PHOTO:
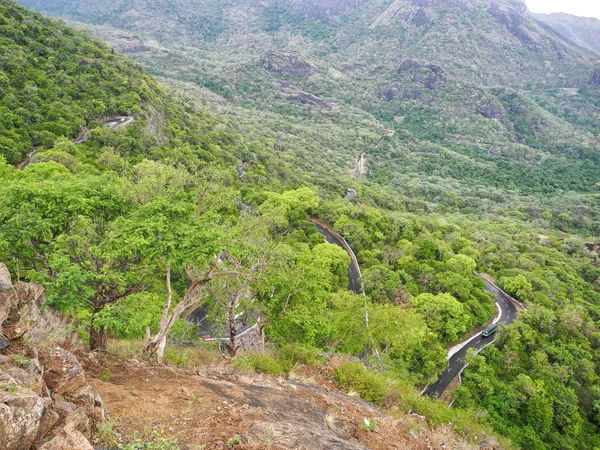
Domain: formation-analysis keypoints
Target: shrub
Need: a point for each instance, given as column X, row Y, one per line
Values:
column 259, row 362
column 292, row 354
column 354, row 376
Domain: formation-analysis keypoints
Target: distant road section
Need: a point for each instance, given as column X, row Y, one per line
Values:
column 113, row 123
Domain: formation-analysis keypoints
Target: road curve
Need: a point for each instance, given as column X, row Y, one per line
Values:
column 112, row 124
column 354, row 275
column 508, row 316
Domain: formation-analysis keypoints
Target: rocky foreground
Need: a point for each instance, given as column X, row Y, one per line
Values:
column 45, row 400
column 48, row 401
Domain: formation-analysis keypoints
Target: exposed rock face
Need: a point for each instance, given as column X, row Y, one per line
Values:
column 308, row 99
column 292, row 422
column 412, row 94
column 35, row 382
column 5, row 280
column 24, row 416
column 289, row 63
column 492, row 110
column 513, row 19
column 63, row 372
column 389, row 94
column 408, row 64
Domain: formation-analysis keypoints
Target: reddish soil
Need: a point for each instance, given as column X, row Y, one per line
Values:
column 205, row 410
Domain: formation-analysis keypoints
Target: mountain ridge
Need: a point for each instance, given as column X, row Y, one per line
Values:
column 583, row 31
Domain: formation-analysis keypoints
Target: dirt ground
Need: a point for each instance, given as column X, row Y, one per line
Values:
column 218, row 408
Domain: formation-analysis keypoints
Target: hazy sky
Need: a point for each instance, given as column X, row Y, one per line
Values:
column 586, row 8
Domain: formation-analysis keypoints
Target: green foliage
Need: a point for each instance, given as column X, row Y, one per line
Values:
column 352, row 375
column 259, row 362
column 96, row 223
column 233, row 441
column 36, row 106
column 291, row 355
column 518, row 287
column 444, row 314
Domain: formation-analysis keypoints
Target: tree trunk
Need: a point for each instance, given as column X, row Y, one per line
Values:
column 155, row 345
column 98, row 338
column 232, row 334
column 232, row 320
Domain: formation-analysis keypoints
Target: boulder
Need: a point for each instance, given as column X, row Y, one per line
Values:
column 412, row 94
column 29, row 375
column 72, row 416
column 68, row 439
column 408, row 64
column 62, row 373
column 489, row 443
column 389, row 94
column 430, row 83
column 492, row 110
column 5, row 279
column 289, row 63
column 90, row 400
column 24, row 417
column 8, row 297
column 4, row 342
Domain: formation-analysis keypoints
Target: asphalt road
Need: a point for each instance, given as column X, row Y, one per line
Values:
column 210, row 332
column 353, row 270
column 112, row 124
column 507, row 317
column 509, row 314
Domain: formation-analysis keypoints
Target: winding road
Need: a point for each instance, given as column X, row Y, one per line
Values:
column 112, row 124
column 354, row 275
column 507, row 314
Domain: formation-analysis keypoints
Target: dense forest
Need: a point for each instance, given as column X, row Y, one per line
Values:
column 212, row 185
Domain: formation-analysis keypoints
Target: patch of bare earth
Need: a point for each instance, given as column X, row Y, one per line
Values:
column 208, row 408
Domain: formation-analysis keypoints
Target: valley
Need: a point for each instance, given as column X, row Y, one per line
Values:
column 198, row 155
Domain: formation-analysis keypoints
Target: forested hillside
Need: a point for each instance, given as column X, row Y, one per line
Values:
column 467, row 129
column 583, row 31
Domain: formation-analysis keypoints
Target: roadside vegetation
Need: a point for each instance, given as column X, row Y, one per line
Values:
column 221, row 204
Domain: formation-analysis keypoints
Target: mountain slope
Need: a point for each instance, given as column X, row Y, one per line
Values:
column 36, row 105
column 372, row 78
column 455, row 165
column 484, row 41
column 583, row 31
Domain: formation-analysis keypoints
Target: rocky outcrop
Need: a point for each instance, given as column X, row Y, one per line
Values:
column 492, row 110
column 68, row 439
column 408, row 64
column 44, row 395
column 289, row 63
column 308, row 99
